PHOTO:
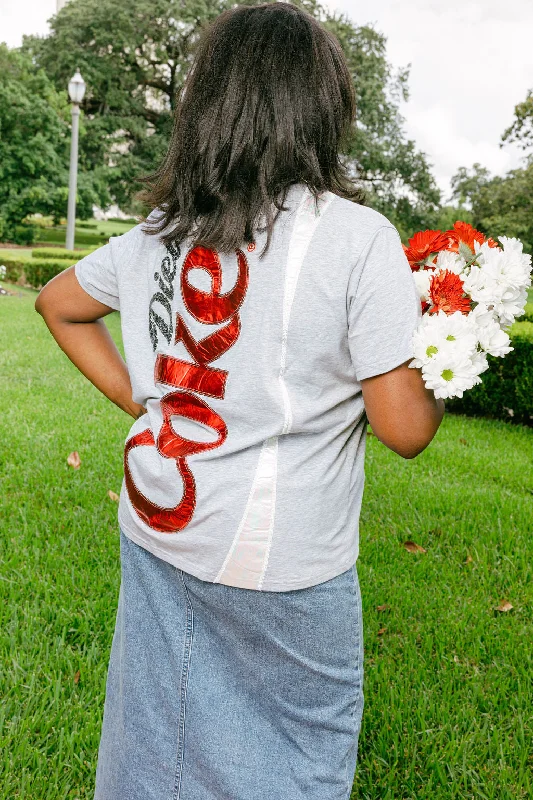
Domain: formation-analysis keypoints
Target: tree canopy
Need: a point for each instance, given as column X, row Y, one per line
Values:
column 34, row 144
column 503, row 204
column 521, row 129
column 500, row 204
column 134, row 55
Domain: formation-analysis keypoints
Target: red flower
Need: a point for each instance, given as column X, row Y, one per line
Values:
column 463, row 232
column 423, row 244
column 447, row 294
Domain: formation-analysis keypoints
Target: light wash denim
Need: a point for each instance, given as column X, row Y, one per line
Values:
column 221, row 693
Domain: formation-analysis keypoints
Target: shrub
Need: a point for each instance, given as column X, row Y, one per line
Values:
column 528, row 313
column 86, row 224
column 81, row 237
column 19, row 234
column 507, row 388
column 39, row 271
column 58, row 253
column 14, row 267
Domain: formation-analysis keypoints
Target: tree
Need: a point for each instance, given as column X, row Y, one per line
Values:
column 521, row 130
column 503, row 204
column 466, row 185
column 397, row 175
column 34, row 146
column 135, row 67
column 500, row 205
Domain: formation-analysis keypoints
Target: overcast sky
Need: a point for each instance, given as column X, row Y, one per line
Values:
column 471, row 63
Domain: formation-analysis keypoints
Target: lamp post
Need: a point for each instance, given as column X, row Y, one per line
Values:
column 76, row 90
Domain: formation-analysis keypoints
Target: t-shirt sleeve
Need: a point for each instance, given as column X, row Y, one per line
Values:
column 383, row 306
column 97, row 275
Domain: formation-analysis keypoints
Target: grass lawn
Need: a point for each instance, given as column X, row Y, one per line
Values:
column 84, row 236
column 18, row 252
column 448, row 680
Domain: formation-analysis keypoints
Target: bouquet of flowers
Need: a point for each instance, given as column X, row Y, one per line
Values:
column 472, row 289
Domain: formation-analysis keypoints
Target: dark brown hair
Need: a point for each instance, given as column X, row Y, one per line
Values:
column 267, row 103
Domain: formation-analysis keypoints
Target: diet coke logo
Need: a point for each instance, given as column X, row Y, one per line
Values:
column 188, row 379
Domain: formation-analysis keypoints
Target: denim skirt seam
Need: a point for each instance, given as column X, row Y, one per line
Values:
column 359, row 703
column 187, row 653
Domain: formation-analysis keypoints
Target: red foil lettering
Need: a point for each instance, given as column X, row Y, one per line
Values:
column 197, row 376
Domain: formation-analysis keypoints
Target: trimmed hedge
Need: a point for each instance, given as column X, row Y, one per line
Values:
column 39, row 271
column 56, row 253
column 33, row 272
column 14, row 267
column 507, row 388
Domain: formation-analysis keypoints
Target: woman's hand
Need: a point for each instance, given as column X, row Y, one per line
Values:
column 74, row 320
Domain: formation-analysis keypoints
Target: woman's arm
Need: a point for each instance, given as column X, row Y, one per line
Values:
column 74, row 320
column 404, row 415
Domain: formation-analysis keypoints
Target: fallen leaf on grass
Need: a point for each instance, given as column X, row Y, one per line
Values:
column 384, row 607
column 381, row 631
column 457, row 659
column 413, row 547
column 469, row 559
column 77, row 677
column 463, row 441
column 504, row 606
column 113, row 495
column 74, row 460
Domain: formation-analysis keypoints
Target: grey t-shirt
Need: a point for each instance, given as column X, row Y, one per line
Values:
column 248, row 468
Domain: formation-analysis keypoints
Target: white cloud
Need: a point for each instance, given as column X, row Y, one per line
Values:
column 436, row 132
column 471, row 63
column 18, row 17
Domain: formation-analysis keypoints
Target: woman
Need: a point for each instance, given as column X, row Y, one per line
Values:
column 265, row 316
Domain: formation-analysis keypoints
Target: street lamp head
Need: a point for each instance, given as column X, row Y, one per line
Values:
column 76, row 88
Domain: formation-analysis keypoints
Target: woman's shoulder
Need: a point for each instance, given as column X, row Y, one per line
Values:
column 139, row 239
column 361, row 215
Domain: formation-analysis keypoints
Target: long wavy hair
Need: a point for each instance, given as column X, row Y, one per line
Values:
column 267, row 103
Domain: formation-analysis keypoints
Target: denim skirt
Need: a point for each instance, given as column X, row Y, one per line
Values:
column 221, row 693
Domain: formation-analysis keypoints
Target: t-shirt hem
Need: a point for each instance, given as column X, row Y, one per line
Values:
column 95, row 293
column 381, row 367
column 197, row 572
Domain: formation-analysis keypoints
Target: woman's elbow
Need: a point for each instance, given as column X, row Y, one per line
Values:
column 39, row 306
column 44, row 302
column 411, row 450
column 409, row 444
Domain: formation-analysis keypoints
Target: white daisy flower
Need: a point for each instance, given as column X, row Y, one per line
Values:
column 453, row 262
column 499, row 281
column 441, row 332
column 450, row 374
column 422, row 279
column 494, row 340
column 514, row 247
column 479, row 362
column 510, row 305
column 508, row 267
column 482, row 315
